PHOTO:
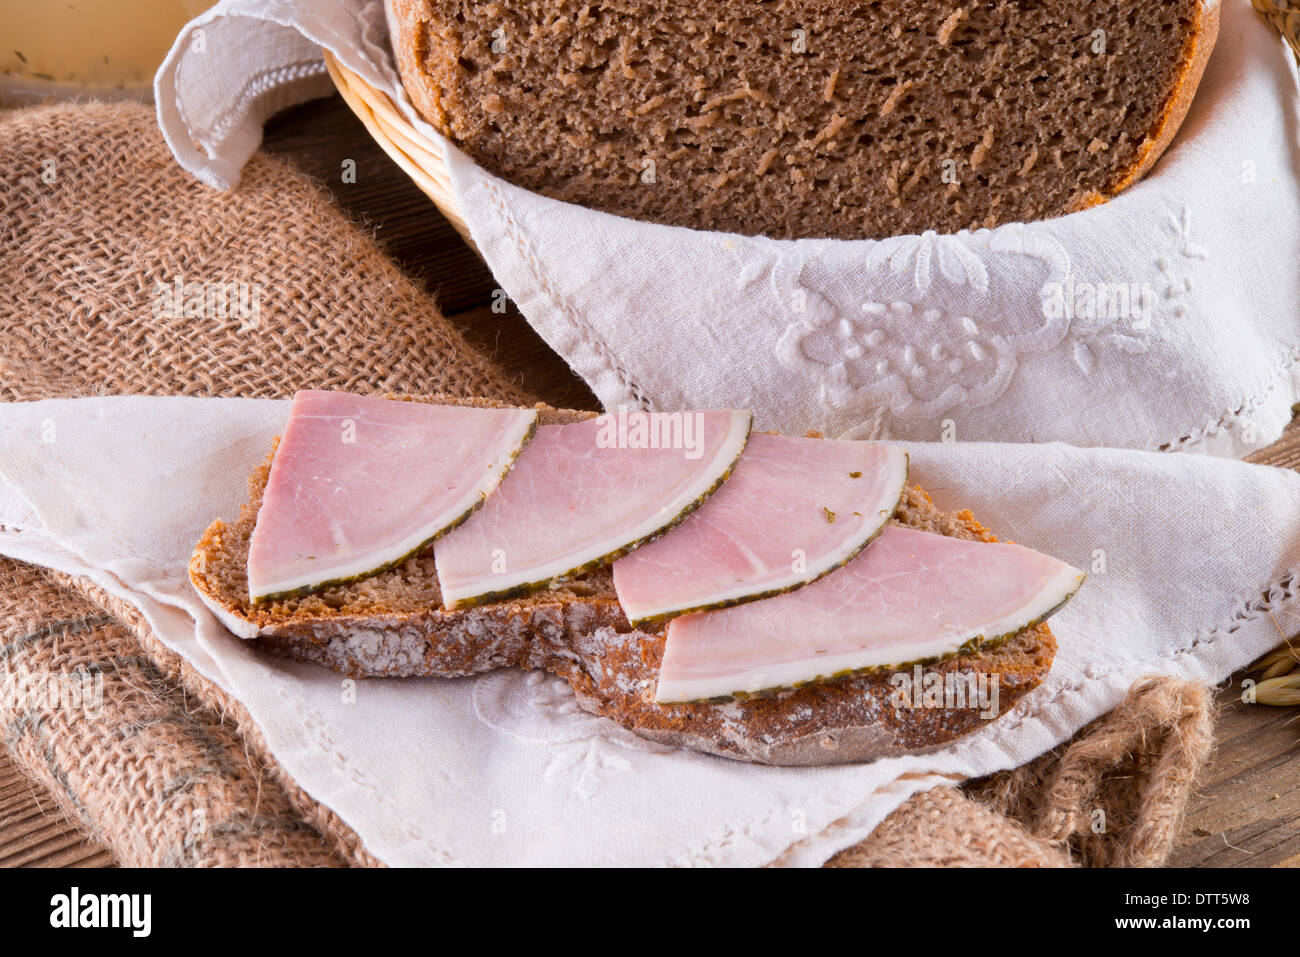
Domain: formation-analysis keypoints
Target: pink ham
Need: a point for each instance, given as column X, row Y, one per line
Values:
column 910, row 596
column 359, row 484
column 795, row 510
column 584, row 494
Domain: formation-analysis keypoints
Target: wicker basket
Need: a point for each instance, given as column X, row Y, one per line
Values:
column 418, row 156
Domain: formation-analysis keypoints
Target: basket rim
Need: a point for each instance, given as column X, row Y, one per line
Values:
column 421, row 158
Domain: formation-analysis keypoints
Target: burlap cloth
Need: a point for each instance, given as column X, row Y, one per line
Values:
column 171, row 771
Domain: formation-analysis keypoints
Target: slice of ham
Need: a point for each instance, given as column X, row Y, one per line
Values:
column 795, row 510
column 911, row 596
column 359, row 484
column 584, row 494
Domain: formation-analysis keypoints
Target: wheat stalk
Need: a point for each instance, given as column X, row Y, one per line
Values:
column 1281, row 692
column 1284, row 17
column 1279, row 673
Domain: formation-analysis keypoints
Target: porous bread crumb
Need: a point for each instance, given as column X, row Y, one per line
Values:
column 829, row 95
column 914, row 83
column 950, row 25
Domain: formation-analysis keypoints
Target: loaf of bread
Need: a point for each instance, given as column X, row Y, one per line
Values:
column 394, row 625
column 803, row 118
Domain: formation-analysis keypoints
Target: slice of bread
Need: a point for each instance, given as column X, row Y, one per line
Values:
column 809, row 117
column 394, row 625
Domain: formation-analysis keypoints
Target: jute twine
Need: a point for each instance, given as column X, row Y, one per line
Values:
column 1111, row 797
column 165, row 769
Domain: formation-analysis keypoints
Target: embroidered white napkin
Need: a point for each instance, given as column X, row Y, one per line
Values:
column 504, row 768
column 1169, row 318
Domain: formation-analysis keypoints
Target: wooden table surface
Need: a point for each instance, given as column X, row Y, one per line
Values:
column 1246, row 811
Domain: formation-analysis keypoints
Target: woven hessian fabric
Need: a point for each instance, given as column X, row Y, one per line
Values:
column 95, row 219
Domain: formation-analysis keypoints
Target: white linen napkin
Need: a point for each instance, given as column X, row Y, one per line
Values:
column 1196, row 343
column 1195, row 571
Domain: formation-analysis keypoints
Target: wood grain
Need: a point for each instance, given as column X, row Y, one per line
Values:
column 1245, row 813
column 35, row 833
column 1246, row 809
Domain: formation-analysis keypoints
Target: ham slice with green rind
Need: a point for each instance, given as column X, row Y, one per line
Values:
column 585, row 494
column 910, row 597
column 794, row 510
column 359, row 484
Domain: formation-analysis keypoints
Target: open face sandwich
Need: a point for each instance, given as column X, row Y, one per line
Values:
column 778, row 599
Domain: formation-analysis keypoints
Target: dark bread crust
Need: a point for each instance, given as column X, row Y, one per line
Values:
column 612, row 669
column 394, row 626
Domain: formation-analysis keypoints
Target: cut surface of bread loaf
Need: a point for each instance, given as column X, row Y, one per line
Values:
column 394, row 625
column 802, row 118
